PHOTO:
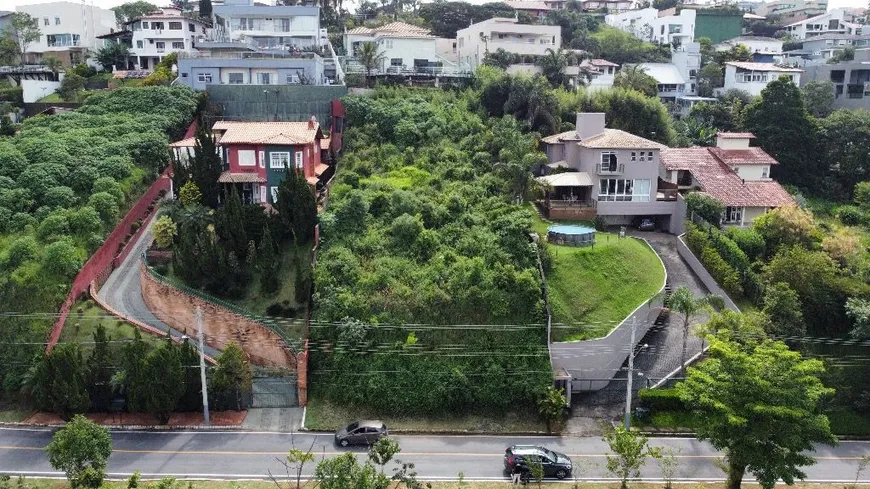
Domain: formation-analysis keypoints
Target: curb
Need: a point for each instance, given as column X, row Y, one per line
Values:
column 130, row 427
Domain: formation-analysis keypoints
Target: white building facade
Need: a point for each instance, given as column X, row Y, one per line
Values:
column 757, row 45
column 267, row 27
column 68, row 30
column 754, row 77
column 473, row 42
column 405, row 47
column 656, row 26
column 833, row 22
column 161, row 33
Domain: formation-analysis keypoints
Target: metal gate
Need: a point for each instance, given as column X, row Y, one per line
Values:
column 274, row 392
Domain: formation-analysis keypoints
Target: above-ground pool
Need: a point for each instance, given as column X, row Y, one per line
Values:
column 571, row 235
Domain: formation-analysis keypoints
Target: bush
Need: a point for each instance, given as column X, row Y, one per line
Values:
column 53, row 227
column 20, row 221
column 85, row 221
column 748, row 240
column 851, row 215
column 22, row 250
column 726, row 276
column 705, row 206
column 661, row 400
column 82, row 178
column 5, row 219
column 862, row 195
column 59, row 196
column 105, row 205
column 61, row 259
column 110, row 186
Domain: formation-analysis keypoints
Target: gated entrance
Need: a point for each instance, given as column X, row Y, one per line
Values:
column 274, row 392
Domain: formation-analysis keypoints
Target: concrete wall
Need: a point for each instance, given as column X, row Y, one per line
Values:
column 220, row 326
column 752, row 172
column 598, row 361
column 702, row 273
column 36, row 89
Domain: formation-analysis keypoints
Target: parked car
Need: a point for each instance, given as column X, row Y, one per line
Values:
column 555, row 464
column 361, row 433
column 646, row 224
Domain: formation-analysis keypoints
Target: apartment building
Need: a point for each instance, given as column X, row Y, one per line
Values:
column 68, row 30
column 163, row 32
column 660, row 27
column 851, row 80
column 473, row 42
column 754, row 77
column 833, row 22
column 266, row 26
column 789, row 11
column 763, row 49
column 230, row 67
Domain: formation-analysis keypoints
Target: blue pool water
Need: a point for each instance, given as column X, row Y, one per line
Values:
column 569, row 229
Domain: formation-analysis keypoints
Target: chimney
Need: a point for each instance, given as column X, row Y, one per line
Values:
column 312, row 122
column 589, row 124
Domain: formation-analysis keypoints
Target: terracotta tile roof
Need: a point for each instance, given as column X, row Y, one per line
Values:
column 324, row 143
column 748, row 156
column 601, row 62
column 762, row 67
column 527, row 5
column 286, row 133
column 312, row 180
column 719, row 181
column 320, row 169
column 735, row 135
column 618, row 139
column 227, row 177
column 184, row 143
column 561, row 137
column 393, row 29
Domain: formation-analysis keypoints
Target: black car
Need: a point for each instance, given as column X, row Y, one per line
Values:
column 361, row 433
column 646, row 224
column 555, row 464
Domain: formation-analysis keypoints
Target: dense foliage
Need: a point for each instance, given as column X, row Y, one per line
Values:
column 64, row 181
column 421, row 231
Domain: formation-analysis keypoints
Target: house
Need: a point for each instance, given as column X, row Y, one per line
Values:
column 655, row 26
column 754, row 77
column 405, row 47
column 267, row 26
column 160, row 33
column 763, row 49
column 258, row 155
column 833, row 22
column 733, row 173
column 821, row 48
column 851, row 80
column 617, row 6
column 252, row 67
column 600, row 73
column 68, row 30
column 789, row 11
column 671, row 83
column 536, row 9
column 610, row 173
column 473, row 42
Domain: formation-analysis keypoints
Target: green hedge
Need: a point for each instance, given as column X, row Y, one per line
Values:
column 661, row 400
column 14, row 95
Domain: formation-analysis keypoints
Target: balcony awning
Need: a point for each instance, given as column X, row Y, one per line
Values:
column 320, row 169
column 568, row 179
column 558, row 164
column 227, row 177
column 312, row 180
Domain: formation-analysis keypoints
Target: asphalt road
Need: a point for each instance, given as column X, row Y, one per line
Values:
column 246, row 455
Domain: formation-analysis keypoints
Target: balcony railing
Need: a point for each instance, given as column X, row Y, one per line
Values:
column 253, row 55
column 612, row 169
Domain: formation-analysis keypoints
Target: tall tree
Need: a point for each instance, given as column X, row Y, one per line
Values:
column 783, row 127
column 135, row 376
column 685, row 303
column 81, row 449
column 760, row 403
column 858, row 311
column 819, row 97
column 131, row 10
column 206, row 167
column 205, row 9
column 846, row 144
column 634, row 77
column 164, row 381
column 23, row 30
column 99, row 370
column 370, row 56
column 783, row 307
column 57, row 382
column 297, row 208
column 269, row 263
column 553, row 64
column 231, row 226
column 231, row 377
column 113, row 54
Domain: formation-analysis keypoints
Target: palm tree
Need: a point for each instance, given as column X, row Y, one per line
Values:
column 685, row 303
column 634, row 77
column 370, row 57
column 553, row 64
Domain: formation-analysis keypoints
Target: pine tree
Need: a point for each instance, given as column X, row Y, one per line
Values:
column 231, row 226
column 304, row 210
column 135, row 377
column 206, row 167
column 99, row 371
column 268, row 263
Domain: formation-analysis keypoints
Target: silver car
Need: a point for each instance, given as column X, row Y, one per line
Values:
column 361, row 433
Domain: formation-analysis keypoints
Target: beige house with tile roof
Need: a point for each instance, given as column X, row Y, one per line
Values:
column 404, row 46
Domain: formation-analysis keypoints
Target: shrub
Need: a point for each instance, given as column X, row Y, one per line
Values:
column 59, row 196
column 105, row 205
column 82, row 178
column 704, row 206
column 5, row 219
column 748, row 240
column 661, row 400
column 862, row 195
column 729, row 251
column 54, row 226
column 110, row 186
column 116, row 167
column 86, row 220
column 22, row 250
column 61, row 259
column 20, row 221
column 164, row 231
column 851, row 215
column 726, row 276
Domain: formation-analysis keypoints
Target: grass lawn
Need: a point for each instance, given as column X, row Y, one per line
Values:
column 50, row 98
column 80, row 326
column 322, row 415
column 257, row 302
column 593, row 289
column 14, row 415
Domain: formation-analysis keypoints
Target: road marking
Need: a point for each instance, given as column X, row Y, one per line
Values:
column 331, row 453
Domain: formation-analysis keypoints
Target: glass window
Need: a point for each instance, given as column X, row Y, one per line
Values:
column 292, row 79
column 57, row 21
column 144, row 24
column 733, row 214
column 765, row 171
column 274, row 191
column 161, row 46
column 157, row 26
column 178, row 45
column 45, row 21
column 247, row 157
column 175, row 26
column 236, row 78
column 139, row 44
column 284, row 25
column 298, row 160
column 204, row 77
column 191, row 27
column 608, row 161
column 264, row 78
column 279, row 160
column 634, row 156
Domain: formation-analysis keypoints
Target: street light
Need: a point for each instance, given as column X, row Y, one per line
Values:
column 628, row 392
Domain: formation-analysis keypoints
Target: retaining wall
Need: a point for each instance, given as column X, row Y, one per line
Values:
column 703, row 274
column 102, row 262
column 219, row 325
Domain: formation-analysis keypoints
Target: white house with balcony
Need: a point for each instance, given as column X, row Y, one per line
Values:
column 763, row 49
column 161, row 33
column 660, row 27
column 405, row 47
column 754, row 77
column 833, row 22
column 266, row 26
column 68, row 30
column 473, row 42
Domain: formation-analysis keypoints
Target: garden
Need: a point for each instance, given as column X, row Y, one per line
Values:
column 65, row 181
column 592, row 289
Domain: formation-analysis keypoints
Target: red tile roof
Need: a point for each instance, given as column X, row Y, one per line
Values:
column 227, row 177
column 748, row 156
column 719, row 181
column 283, row 133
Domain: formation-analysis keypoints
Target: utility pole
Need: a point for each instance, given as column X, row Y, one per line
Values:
column 202, row 367
column 631, row 355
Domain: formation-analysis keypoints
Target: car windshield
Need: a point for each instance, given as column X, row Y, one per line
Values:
column 352, row 426
column 549, row 454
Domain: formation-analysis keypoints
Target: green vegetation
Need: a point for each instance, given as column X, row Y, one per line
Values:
column 81, row 449
column 80, row 326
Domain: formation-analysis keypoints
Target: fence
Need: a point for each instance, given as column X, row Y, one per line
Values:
column 103, row 261
column 284, row 103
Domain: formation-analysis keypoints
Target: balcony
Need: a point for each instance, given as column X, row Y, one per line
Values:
column 611, row 169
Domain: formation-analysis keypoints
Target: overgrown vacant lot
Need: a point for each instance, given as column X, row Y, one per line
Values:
column 592, row 289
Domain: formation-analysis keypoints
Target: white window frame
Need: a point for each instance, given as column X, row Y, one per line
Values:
column 293, row 79
column 262, row 155
column 601, row 164
column 144, row 24
column 204, row 77
column 46, row 21
column 299, row 162
column 264, row 78
column 250, row 157
column 230, row 78
column 624, row 189
column 765, row 172
column 160, row 45
column 179, row 24
column 178, row 45
column 56, row 20
column 279, row 160
column 634, row 155
column 733, row 214
column 263, row 194
column 273, row 191
column 140, row 44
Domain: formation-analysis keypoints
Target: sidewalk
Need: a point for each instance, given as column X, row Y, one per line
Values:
column 177, row 420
